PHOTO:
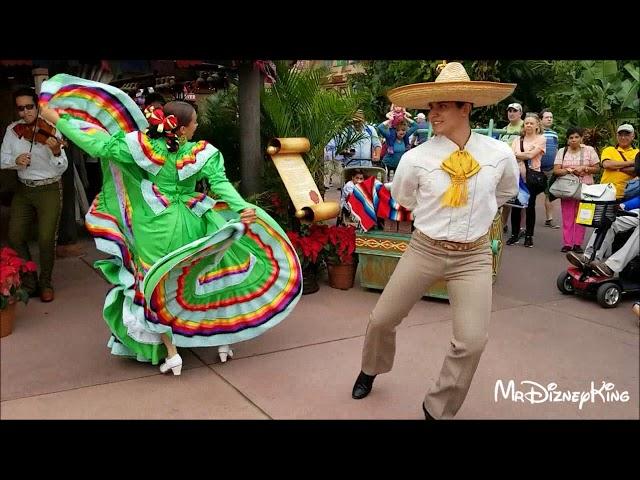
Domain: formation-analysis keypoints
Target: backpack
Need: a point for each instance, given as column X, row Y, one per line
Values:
column 632, row 189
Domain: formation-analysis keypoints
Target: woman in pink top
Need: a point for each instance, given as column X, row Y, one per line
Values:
column 530, row 148
column 582, row 161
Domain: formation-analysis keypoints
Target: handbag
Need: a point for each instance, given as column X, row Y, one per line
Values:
column 522, row 199
column 536, row 181
column 569, row 185
column 600, row 192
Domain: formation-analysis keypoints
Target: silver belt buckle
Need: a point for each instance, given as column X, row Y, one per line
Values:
column 39, row 183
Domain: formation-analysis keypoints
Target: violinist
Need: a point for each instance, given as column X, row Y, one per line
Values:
column 35, row 150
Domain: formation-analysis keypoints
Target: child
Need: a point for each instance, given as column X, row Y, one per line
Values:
column 397, row 140
column 396, row 116
column 396, row 113
column 356, row 178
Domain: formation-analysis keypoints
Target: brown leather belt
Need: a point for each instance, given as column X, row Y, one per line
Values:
column 455, row 246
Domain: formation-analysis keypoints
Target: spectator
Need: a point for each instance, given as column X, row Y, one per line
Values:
column 365, row 150
column 357, row 176
column 528, row 148
column 618, row 161
column 420, row 137
column 582, row 161
column 397, row 138
column 547, row 163
column 621, row 224
column 513, row 129
column 515, row 125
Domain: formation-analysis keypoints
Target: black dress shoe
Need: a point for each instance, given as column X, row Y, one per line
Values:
column 427, row 415
column 513, row 239
column 363, row 386
column 528, row 241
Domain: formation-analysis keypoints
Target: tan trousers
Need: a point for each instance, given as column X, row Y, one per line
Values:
column 468, row 277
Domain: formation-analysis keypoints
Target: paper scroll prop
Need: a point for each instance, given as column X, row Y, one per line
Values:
column 286, row 154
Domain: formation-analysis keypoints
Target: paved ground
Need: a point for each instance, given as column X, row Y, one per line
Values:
column 55, row 365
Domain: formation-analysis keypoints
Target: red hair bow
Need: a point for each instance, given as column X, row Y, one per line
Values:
column 156, row 117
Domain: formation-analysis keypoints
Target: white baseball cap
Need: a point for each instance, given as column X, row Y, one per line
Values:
column 625, row 127
column 421, row 115
column 517, row 106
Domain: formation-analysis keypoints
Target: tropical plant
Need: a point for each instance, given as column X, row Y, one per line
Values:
column 219, row 125
column 598, row 95
column 382, row 75
column 298, row 105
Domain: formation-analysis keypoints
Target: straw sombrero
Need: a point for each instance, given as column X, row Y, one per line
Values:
column 452, row 84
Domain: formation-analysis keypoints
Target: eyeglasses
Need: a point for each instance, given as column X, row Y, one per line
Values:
column 22, row 108
column 624, row 133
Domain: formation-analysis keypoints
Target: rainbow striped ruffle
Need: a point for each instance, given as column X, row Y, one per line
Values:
column 209, row 298
column 227, row 287
column 92, row 105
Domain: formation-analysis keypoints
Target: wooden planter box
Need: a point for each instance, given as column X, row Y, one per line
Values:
column 379, row 252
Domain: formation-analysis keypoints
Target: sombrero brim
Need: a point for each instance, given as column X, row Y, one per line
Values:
column 420, row 95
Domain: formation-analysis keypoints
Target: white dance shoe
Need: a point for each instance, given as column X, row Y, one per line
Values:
column 224, row 351
column 174, row 364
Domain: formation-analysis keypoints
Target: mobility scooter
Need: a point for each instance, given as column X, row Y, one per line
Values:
column 584, row 280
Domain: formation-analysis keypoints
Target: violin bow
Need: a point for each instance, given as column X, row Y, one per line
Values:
column 35, row 124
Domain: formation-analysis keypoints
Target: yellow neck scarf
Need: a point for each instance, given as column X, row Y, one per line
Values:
column 460, row 166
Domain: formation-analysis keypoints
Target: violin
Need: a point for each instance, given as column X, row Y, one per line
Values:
column 38, row 132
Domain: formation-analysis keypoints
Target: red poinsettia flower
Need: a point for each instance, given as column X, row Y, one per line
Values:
column 11, row 267
column 309, row 242
column 341, row 243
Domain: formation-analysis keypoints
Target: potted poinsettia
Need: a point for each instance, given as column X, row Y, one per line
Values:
column 12, row 267
column 309, row 243
column 340, row 256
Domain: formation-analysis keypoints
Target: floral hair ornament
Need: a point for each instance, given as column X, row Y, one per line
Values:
column 156, row 116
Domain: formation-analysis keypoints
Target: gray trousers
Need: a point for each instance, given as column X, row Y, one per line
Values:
column 469, row 283
column 628, row 251
column 621, row 224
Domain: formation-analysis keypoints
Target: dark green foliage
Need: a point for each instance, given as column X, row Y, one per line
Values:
column 219, row 125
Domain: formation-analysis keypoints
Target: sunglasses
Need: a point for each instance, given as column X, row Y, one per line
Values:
column 22, row 108
column 512, row 110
